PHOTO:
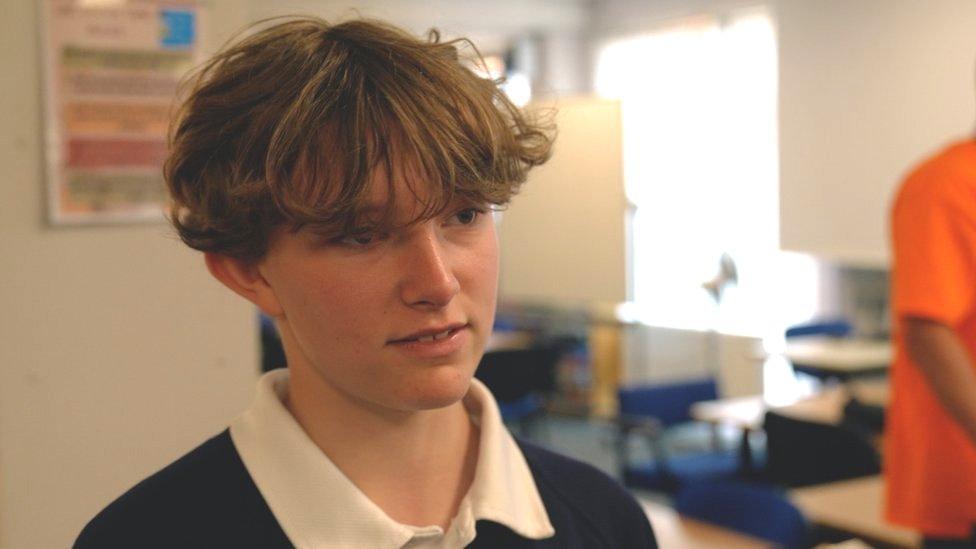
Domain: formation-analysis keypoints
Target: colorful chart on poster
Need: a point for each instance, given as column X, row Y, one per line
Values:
column 111, row 73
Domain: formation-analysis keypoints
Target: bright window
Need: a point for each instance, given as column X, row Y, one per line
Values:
column 699, row 104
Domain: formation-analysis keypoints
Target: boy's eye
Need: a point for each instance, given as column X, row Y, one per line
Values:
column 362, row 240
column 359, row 238
column 467, row 216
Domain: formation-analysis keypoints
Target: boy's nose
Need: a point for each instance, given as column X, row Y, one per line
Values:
column 428, row 279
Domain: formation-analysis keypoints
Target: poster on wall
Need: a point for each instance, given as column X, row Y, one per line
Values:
column 111, row 72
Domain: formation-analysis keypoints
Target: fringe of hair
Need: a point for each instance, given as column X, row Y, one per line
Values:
column 289, row 125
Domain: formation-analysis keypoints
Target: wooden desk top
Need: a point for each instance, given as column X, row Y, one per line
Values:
column 826, row 406
column 853, row 506
column 674, row 531
column 844, row 356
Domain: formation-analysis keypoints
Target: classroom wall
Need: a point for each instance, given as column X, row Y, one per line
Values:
column 867, row 89
column 118, row 351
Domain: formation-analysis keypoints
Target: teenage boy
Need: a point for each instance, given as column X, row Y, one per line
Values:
column 342, row 178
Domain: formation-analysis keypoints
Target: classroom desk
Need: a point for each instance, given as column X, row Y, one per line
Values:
column 855, row 507
column 747, row 413
column 674, row 531
column 840, row 357
column 743, row 413
column 827, row 406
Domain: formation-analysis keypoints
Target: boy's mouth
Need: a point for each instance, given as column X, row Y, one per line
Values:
column 431, row 334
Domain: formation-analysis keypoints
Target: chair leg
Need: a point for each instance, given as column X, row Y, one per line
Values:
column 716, row 437
column 670, row 482
column 748, row 468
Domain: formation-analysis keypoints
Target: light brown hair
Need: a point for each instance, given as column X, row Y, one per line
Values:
column 286, row 126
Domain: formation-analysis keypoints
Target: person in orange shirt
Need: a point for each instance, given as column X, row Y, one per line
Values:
column 930, row 442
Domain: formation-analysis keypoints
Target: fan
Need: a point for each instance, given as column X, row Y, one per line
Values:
column 727, row 274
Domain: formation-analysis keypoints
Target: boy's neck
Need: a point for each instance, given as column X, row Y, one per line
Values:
column 416, row 466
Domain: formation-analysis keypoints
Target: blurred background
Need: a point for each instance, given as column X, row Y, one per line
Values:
column 722, row 174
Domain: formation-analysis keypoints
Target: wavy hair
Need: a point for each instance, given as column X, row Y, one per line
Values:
column 287, row 125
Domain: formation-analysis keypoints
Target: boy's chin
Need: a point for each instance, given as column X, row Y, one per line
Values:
column 440, row 394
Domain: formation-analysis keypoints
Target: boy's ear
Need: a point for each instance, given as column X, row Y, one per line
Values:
column 245, row 279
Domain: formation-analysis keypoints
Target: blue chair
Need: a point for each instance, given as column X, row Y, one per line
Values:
column 753, row 509
column 652, row 412
column 839, row 327
column 834, row 328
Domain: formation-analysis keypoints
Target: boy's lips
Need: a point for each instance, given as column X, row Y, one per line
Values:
column 441, row 343
column 431, row 334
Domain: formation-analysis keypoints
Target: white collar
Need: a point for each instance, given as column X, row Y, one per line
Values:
column 318, row 506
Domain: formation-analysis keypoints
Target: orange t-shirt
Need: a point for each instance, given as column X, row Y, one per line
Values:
column 929, row 462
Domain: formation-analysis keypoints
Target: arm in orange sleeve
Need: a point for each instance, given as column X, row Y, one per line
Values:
column 934, row 244
column 946, row 365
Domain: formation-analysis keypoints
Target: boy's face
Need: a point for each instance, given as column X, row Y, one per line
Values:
column 394, row 320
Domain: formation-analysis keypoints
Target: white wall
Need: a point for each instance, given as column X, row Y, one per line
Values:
column 867, row 88
column 616, row 18
column 118, row 351
column 489, row 24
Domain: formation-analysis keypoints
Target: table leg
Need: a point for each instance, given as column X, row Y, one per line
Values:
column 746, row 466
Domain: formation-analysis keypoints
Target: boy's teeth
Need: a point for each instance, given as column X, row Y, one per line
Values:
column 428, row 339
